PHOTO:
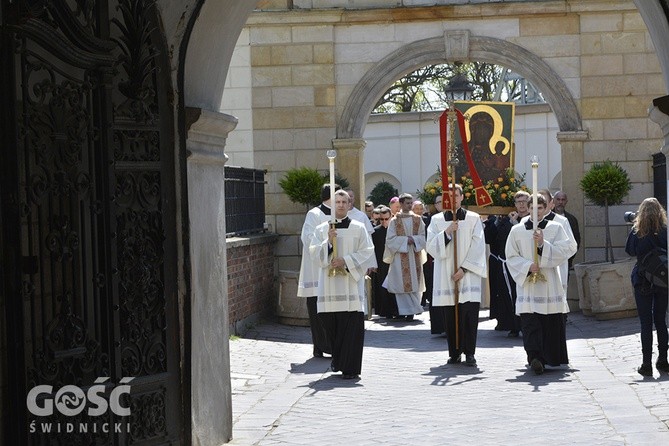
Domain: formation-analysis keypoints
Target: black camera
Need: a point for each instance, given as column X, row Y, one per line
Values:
column 629, row 217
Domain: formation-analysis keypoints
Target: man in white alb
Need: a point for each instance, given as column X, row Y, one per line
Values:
column 405, row 253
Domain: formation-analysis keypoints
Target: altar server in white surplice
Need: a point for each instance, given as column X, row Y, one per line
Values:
column 467, row 275
column 307, row 285
column 341, row 297
column 562, row 220
column 405, row 244
column 542, row 305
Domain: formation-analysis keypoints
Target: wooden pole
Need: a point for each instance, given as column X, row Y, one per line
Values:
column 452, row 117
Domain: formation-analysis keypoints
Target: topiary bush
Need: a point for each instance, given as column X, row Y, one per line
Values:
column 606, row 184
column 382, row 192
column 303, row 185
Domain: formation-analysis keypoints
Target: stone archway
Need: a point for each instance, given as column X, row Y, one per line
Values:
column 456, row 46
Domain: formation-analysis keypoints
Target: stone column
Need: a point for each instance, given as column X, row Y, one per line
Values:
column 211, row 394
column 659, row 113
column 572, row 172
column 350, row 163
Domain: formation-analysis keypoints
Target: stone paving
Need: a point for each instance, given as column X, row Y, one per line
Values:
column 407, row 395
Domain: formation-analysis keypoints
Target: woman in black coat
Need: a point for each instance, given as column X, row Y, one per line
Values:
column 649, row 229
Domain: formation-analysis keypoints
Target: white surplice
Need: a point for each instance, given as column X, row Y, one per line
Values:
column 358, row 215
column 543, row 297
column 342, row 292
column 471, row 256
column 564, row 266
column 405, row 275
column 307, row 284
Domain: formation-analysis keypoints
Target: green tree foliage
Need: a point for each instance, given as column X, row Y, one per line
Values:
column 382, row 192
column 606, row 184
column 413, row 91
column 423, row 89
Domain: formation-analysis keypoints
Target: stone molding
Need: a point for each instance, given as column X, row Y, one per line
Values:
column 579, row 135
column 349, row 143
column 434, row 50
column 207, row 137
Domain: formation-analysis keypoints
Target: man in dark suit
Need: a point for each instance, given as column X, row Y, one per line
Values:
column 560, row 200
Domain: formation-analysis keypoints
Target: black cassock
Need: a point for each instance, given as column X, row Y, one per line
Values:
column 502, row 286
column 385, row 304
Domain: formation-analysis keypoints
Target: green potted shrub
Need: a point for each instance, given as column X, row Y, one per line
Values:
column 382, row 192
column 604, row 288
column 303, row 185
column 606, row 184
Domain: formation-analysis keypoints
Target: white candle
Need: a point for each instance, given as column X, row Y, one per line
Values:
column 332, row 154
column 535, row 172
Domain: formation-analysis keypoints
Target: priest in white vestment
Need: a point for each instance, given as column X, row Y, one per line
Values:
column 345, row 248
column 404, row 252
column 542, row 305
column 467, row 275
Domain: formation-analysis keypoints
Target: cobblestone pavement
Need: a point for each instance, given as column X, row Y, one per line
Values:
column 407, row 395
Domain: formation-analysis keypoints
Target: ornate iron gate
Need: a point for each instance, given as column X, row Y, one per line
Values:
column 88, row 219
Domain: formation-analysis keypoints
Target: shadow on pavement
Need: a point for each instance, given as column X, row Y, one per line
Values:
column 334, row 381
column 311, row 366
column 549, row 376
column 453, row 375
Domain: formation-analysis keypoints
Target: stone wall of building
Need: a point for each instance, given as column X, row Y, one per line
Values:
column 305, row 65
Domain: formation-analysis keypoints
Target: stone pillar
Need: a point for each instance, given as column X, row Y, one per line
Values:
column 211, row 394
column 659, row 113
column 350, row 163
column 572, row 171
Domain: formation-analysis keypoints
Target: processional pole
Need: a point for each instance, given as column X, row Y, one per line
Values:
column 447, row 123
column 452, row 118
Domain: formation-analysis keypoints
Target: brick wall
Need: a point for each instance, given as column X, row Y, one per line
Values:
column 251, row 292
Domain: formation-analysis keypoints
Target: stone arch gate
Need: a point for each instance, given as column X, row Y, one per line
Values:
column 455, row 46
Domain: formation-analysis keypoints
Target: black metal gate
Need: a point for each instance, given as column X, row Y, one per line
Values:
column 88, row 221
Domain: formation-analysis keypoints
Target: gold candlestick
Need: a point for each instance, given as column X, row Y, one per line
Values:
column 537, row 276
column 332, row 271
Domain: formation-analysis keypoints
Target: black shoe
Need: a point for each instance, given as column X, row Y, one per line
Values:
column 662, row 366
column 409, row 317
column 537, row 366
column 350, row 376
column 513, row 334
column 454, row 360
column 333, row 368
column 318, row 353
column 470, row 360
column 645, row 370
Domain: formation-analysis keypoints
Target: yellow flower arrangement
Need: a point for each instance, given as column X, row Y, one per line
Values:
column 502, row 190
